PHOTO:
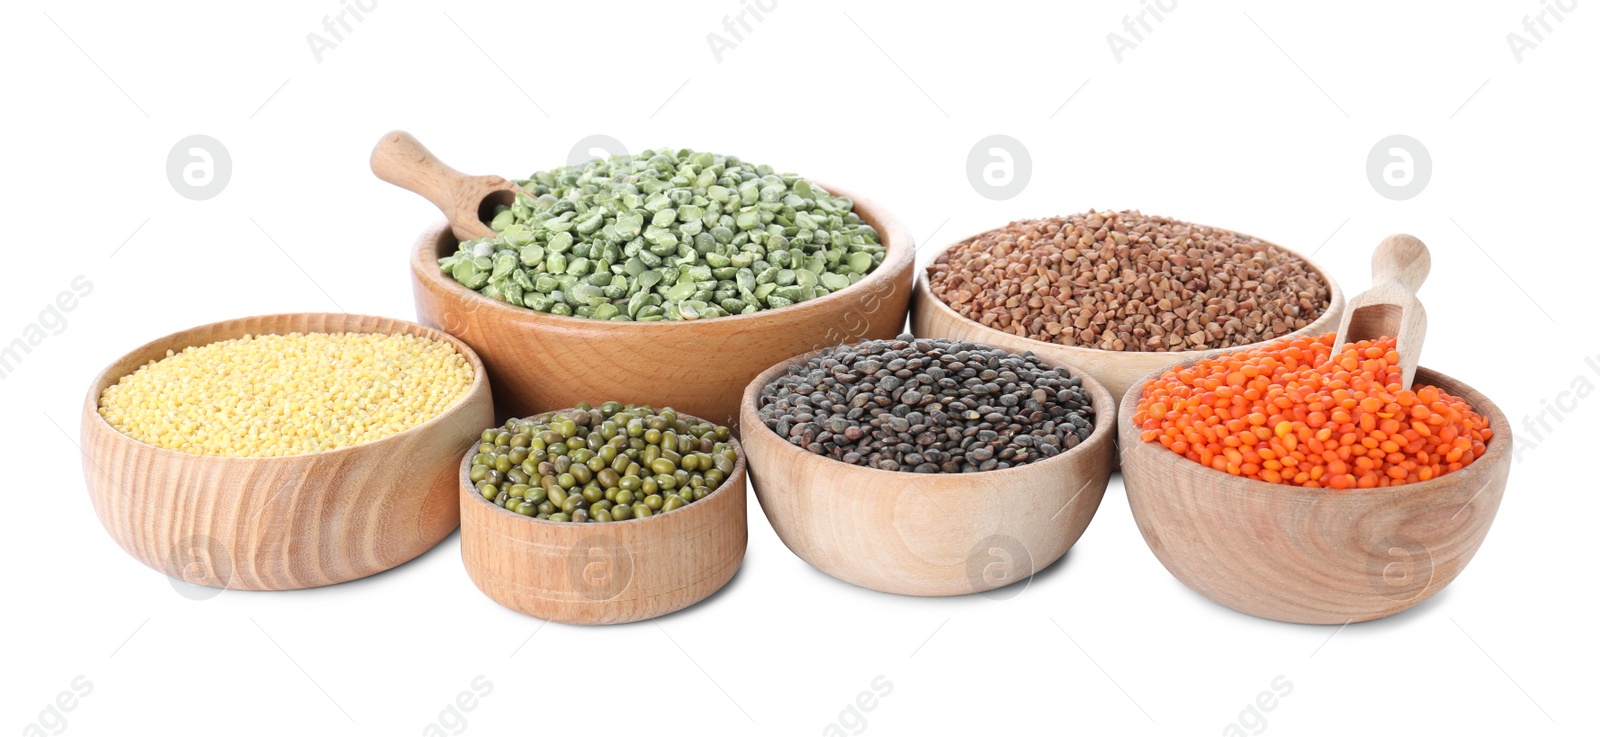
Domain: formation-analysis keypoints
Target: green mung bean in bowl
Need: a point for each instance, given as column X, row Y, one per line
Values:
column 927, row 467
column 601, row 464
column 568, row 536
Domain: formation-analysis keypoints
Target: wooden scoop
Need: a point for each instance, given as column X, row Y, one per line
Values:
column 1390, row 307
column 469, row 202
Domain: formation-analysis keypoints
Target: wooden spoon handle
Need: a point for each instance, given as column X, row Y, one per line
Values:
column 1401, row 259
column 1390, row 307
column 400, row 159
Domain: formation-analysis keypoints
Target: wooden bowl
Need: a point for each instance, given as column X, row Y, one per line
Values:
column 1313, row 556
column 604, row 572
column 934, row 534
column 540, row 362
column 289, row 522
column 1117, row 370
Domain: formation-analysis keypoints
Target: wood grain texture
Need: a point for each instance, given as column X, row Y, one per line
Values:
column 1117, row 370
column 1313, row 556
column 400, row 159
column 287, row 522
column 604, row 572
column 540, row 362
column 1390, row 308
column 927, row 534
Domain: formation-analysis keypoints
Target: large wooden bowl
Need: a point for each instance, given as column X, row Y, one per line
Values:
column 540, row 362
column 927, row 534
column 604, row 572
column 288, row 522
column 1313, row 556
column 1117, row 370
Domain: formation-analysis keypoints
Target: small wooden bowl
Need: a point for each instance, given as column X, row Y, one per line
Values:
column 540, row 362
column 604, row 572
column 1313, row 556
column 1117, row 370
column 289, row 522
column 927, row 534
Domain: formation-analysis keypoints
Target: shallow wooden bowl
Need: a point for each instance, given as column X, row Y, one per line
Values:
column 290, row 522
column 927, row 534
column 540, row 362
column 604, row 572
column 1313, row 556
column 1117, row 370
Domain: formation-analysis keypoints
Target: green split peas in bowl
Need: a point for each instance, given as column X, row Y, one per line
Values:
column 667, row 235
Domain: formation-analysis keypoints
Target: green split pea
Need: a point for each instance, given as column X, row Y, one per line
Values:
column 667, row 235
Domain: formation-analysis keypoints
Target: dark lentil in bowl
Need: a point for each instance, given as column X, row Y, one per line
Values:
column 928, row 405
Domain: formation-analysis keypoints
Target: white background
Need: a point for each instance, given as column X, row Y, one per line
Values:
column 1251, row 116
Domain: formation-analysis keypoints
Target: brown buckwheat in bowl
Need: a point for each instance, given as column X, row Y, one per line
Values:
column 1121, row 294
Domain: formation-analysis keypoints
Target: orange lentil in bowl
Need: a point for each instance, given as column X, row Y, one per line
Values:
column 1294, row 412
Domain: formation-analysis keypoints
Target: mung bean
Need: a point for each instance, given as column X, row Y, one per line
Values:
column 657, row 457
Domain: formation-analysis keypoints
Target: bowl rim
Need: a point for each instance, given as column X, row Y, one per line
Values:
column 900, row 251
column 1495, row 451
column 103, row 380
column 1100, row 398
column 739, row 470
column 1336, row 304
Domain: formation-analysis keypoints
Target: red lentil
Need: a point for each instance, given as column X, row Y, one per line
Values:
column 1294, row 412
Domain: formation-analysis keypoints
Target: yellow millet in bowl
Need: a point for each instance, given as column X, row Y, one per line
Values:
column 283, row 395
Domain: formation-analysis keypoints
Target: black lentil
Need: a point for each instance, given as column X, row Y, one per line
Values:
column 928, row 405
